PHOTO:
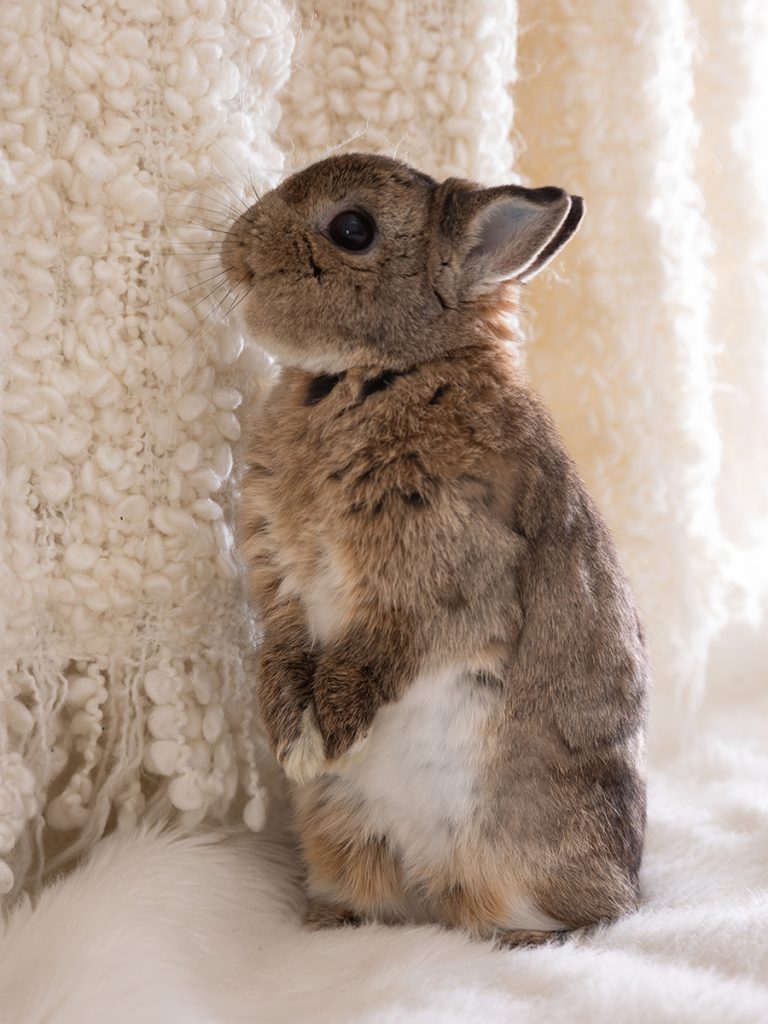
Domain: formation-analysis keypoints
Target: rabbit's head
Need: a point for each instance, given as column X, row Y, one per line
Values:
column 359, row 259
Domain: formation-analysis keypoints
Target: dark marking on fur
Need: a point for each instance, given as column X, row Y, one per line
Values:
column 321, row 386
column 415, row 500
column 364, row 506
column 519, row 939
column 489, row 680
column 454, row 600
column 439, row 392
column 381, row 383
column 321, row 914
column 377, row 467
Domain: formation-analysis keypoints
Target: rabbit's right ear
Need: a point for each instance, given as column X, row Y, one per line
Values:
column 484, row 236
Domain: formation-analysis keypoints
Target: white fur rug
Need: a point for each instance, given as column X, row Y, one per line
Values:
column 206, row 929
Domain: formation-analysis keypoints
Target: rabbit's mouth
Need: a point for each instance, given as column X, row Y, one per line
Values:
column 317, row 271
column 234, row 257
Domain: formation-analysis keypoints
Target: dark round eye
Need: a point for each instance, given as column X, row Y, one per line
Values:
column 352, row 229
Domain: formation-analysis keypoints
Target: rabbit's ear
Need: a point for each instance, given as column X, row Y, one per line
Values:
column 564, row 233
column 499, row 234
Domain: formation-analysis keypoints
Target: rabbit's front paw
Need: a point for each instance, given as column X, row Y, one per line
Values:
column 304, row 759
column 350, row 756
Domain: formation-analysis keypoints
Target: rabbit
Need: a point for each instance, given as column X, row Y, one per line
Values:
column 453, row 674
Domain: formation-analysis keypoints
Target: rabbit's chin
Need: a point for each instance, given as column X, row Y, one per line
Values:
column 313, row 362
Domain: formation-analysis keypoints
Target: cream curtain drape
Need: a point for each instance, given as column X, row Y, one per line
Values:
column 125, row 686
column 654, row 353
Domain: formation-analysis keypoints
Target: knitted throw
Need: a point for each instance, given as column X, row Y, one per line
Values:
column 123, row 677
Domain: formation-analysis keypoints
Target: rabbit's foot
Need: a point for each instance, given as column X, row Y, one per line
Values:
column 349, row 756
column 304, row 759
column 519, row 938
column 320, row 914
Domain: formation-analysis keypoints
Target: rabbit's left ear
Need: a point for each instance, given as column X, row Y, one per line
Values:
column 499, row 234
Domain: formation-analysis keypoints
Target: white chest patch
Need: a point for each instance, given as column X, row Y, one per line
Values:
column 325, row 596
column 417, row 773
column 326, row 600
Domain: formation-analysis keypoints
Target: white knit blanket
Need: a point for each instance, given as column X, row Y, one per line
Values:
column 124, row 634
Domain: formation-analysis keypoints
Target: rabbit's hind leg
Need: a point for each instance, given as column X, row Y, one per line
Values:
column 347, row 867
column 323, row 914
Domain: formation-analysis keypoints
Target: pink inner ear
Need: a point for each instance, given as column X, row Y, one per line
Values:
column 513, row 232
column 563, row 234
column 506, row 221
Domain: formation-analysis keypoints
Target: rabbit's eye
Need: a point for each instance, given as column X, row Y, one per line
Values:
column 352, row 229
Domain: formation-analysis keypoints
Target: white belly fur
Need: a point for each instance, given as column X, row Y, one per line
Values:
column 325, row 602
column 417, row 772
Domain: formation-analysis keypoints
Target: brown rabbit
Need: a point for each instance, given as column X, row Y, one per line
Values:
column 452, row 672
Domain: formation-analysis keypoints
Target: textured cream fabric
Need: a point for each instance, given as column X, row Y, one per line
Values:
column 124, row 631
column 428, row 82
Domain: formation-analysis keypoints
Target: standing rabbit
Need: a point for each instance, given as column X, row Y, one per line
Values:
column 452, row 672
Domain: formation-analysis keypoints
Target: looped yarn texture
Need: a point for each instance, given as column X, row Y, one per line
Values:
column 428, row 82
column 123, row 682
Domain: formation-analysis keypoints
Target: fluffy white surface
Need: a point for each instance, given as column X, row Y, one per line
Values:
column 204, row 930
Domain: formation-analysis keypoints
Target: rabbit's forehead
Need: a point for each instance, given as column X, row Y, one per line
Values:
column 360, row 178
